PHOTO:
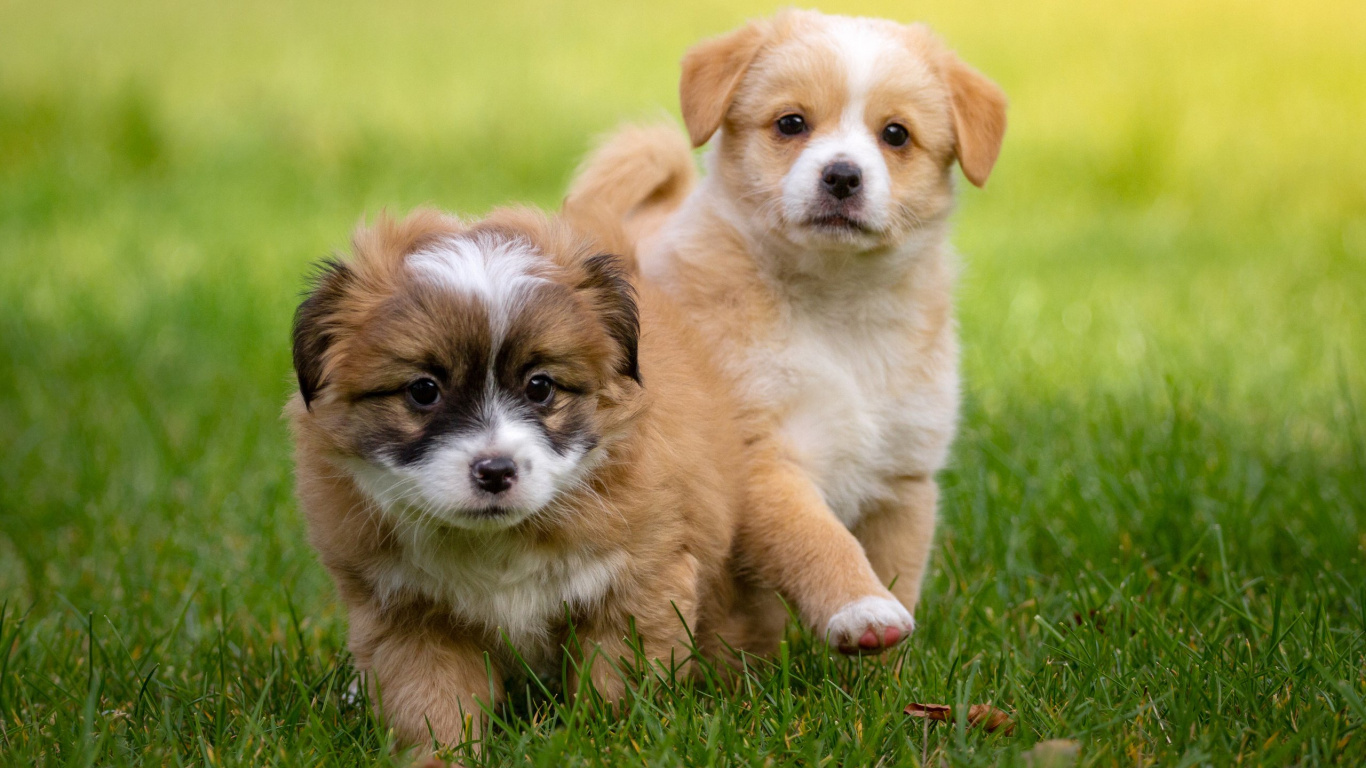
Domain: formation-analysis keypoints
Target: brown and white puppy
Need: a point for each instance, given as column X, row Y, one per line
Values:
column 814, row 255
column 480, row 463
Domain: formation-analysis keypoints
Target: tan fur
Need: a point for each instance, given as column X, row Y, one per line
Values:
column 712, row 70
column 979, row 119
column 666, row 500
column 638, row 178
column 877, row 304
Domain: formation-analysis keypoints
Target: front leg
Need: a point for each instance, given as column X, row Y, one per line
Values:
column 898, row 535
column 431, row 678
column 662, row 610
column 789, row 537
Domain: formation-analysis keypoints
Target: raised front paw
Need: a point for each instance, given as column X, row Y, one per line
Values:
column 869, row 625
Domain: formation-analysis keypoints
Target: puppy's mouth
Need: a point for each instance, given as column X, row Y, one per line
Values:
column 491, row 507
column 485, row 516
column 839, row 223
column 489, row 511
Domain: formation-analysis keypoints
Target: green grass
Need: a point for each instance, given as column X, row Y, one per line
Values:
column 1153, row 528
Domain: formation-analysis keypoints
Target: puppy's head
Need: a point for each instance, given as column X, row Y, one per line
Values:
column 840, row 131
column 467, row 376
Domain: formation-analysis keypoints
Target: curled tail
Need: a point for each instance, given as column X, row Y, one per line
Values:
column 637, row 177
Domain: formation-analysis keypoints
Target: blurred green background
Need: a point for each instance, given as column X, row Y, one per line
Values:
column 1163, row 306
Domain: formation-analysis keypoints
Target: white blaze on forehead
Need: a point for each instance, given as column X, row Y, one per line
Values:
column 862, row 49
column 498, row 272
column 861, row 46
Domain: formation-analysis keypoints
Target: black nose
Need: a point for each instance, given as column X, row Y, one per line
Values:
column 841, row 179
column 494, row 475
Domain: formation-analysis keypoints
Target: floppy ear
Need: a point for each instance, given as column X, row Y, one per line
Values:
column 979, row 119
column 712, row 71
column 614, row 299
column 314, row 329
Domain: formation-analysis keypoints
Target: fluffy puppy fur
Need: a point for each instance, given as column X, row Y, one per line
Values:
column 814, row 256
column 489, row 447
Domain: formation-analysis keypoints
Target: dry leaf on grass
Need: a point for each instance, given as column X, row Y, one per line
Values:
column 988, row 717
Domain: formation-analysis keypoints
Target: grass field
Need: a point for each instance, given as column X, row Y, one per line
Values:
column 1154, row 525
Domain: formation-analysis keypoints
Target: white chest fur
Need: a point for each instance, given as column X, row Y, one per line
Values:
column 860, row 405
column 501, row 583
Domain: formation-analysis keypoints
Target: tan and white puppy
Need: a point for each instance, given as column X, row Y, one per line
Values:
column 490, row 448
column 814, row 256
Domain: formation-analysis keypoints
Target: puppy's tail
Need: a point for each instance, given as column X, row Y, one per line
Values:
column 637, row 176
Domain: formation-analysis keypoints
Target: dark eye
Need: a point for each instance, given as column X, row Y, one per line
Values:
column 540, row 389
column 896, row 135
column 424, row 393
column 791, row 125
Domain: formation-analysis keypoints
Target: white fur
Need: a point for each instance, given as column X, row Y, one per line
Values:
column 457, row 552
column 440, row 489
column 854, row 420
column 875, row 613
column 837, row 367
column 499, row 272
column 497, row 581
column 860, row 46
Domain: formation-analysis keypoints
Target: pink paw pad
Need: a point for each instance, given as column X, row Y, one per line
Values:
column 869, row 625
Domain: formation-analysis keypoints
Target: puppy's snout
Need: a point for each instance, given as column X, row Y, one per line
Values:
column 841, row 179
column 495, row 474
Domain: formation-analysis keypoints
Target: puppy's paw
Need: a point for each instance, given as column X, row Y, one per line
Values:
column 869, row 625
column 432, row 761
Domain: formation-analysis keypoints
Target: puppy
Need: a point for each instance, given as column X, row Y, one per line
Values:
column 489, row 449
column 814, row 256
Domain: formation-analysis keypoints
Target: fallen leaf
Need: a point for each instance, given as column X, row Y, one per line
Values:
column 930, row 711
column 990, row 718
column 1054, row 753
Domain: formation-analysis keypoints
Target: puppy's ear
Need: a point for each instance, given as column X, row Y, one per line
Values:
column 614, row 299
column 979, row 119
column 712, row 71
column 314, row 326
